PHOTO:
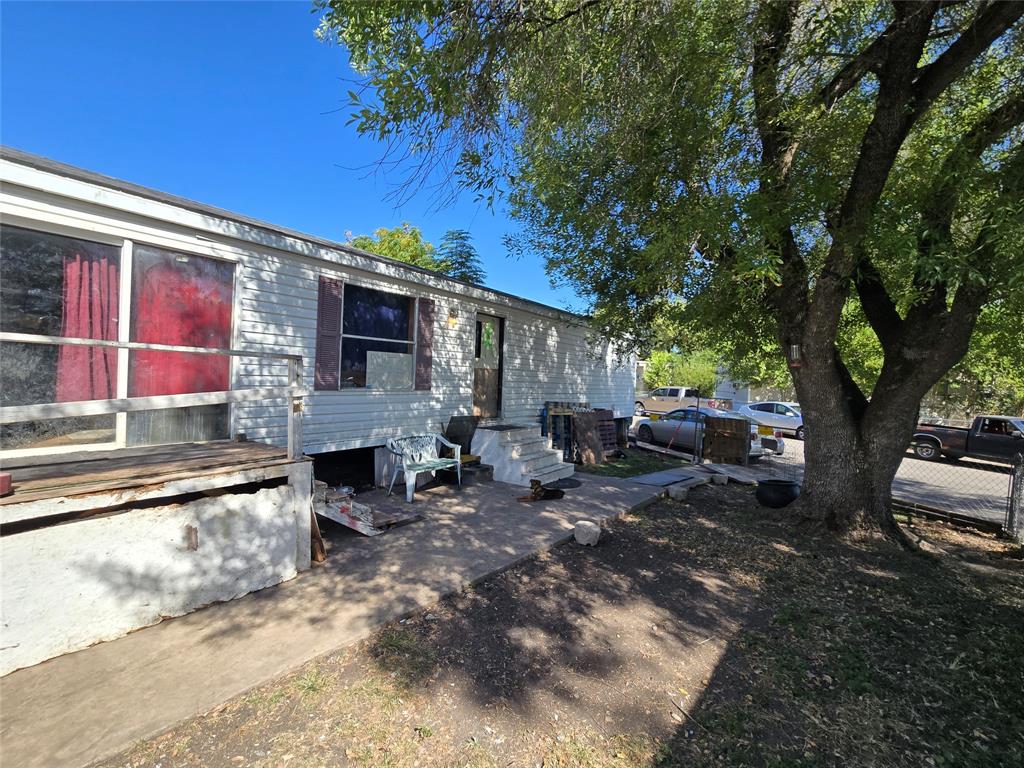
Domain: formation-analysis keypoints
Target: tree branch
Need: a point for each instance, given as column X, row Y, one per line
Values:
column 852, row 392
column 778, row 148
column 878, row 306
column 993, row 20
column 936, row 227
column 547, row 22
column 937, row 213
column 868, row 60
column 776, row 29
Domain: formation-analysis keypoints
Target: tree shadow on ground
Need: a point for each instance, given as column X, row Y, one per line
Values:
column 723, row 635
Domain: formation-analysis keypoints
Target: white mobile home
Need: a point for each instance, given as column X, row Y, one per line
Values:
column 142, row 335
column 387, row 348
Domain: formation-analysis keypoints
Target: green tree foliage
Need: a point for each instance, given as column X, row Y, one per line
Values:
column 990, row 378
column 696, row 369
column 766, row 163
column 457, row 257
column 403, row 243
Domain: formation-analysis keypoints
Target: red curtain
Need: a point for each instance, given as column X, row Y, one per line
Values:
column 89, row 311
column 183, row 303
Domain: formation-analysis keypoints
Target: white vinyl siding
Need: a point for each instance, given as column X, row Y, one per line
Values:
column 549, row 355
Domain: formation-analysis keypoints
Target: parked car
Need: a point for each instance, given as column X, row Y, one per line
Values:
column 679, row 429
column 999, row 438
column 784, row 416
column 771, row 437
column 664, row 399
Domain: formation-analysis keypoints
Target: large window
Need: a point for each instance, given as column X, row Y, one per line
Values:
column 377, row 337
column 372, row 339
column 57, row 286
column 182, row 300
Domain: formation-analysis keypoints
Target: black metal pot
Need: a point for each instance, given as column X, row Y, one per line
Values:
column 776, row 493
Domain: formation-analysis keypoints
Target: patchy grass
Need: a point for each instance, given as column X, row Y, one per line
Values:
column 311, row 683
column 404, row 654
column 701, row 633
column 635, row 462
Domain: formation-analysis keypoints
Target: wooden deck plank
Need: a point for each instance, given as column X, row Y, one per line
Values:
column 99, row 498
column 132, row 468
column 35, row 466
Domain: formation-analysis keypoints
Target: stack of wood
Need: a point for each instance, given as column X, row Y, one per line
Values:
column 727, row 441
column 606, row 428
column 558, row 425
column 583, row 434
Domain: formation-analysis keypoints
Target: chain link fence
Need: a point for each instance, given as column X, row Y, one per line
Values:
column 1014, row 525
column 984, row 493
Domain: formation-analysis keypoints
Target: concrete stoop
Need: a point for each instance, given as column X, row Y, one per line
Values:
column 519, row 454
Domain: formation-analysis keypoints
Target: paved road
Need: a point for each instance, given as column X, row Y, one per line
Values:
column 974, row 488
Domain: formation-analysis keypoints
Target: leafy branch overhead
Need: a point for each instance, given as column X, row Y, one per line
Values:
column 774, row 169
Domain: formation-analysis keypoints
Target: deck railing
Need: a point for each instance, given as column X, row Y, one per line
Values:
column 293, row 391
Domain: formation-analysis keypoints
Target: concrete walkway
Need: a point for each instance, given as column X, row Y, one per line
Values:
column 88, row 705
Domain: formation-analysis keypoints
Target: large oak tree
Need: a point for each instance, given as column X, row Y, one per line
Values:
column 769, row 166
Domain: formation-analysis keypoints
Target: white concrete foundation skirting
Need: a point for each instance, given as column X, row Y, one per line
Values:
column 68, row 586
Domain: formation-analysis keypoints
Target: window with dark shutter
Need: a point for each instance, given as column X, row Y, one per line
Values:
column 424, row 343
column 328, row 333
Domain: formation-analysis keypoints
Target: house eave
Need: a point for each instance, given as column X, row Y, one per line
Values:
column 251, row 230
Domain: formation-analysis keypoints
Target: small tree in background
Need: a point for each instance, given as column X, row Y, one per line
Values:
column 403, row 243
column 696, row 369
column 458, row 258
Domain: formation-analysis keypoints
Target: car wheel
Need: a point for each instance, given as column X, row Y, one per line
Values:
column 644, row 434
column 927, row 450
column 800, row 432
column 638, row 409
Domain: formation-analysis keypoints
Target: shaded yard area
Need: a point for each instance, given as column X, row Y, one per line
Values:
column 633, row 462
column 698, row 633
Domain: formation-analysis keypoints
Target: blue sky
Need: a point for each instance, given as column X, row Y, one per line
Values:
column 234, row 104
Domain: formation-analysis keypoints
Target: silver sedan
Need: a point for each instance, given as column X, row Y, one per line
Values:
column 678, row 429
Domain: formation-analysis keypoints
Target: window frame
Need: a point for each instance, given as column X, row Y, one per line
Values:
column 106, row 235
column 413, row 343
column 127, row 296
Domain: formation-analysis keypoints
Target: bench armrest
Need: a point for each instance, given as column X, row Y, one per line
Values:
column 454, row 446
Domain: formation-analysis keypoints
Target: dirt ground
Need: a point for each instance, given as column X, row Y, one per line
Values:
column 700, row 633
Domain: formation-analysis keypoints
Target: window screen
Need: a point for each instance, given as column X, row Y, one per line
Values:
column 377, row 339
column 57, row 286
column 184, row 300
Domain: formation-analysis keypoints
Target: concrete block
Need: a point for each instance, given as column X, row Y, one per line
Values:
column 719, row 479
column 587, row 533
column 678, row 492
column 66, row 587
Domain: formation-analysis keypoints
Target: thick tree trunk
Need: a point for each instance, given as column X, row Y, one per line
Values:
column 854, row 447
column 848, row 479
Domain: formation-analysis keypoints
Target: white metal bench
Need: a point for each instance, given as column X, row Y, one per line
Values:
column 418, row 453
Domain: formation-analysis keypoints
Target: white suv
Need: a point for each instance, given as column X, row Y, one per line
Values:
column 783, row 416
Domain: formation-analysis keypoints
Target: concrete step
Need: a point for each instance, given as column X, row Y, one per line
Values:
column 556, row 472
column 534, row 445
column 538, row 461
column 518, row 435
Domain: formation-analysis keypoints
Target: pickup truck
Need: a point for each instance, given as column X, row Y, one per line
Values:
column 664, row 399
column 997, row 438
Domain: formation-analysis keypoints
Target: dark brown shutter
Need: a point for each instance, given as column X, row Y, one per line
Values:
column 328, row 333
column 424, row 343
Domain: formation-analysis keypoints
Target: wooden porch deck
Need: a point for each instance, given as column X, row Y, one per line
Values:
column 90, row 480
